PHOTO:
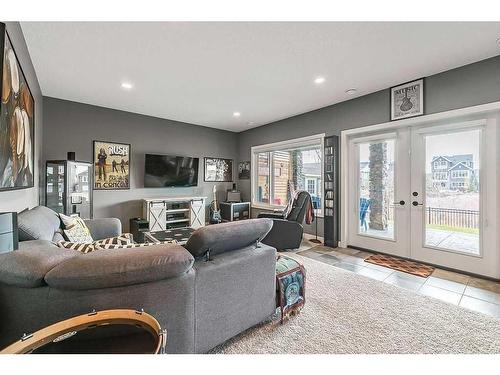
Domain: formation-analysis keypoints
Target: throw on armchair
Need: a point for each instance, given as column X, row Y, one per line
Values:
column 287, row 232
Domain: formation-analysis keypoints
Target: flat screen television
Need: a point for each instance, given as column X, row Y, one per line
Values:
column 170, row 171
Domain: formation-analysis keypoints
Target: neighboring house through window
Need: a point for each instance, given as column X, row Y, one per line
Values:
column 311, row 186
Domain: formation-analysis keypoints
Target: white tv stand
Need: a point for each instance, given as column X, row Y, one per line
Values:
column 174, row 212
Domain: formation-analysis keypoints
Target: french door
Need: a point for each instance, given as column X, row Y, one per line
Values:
column 379, row 177
column 427, row 193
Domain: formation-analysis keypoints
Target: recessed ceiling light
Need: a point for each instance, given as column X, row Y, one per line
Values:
column 351, row 91
column 127, row 85
column 319, row 80
column 236, row 114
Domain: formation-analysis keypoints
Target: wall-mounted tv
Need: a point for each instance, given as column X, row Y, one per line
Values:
column 170, row 171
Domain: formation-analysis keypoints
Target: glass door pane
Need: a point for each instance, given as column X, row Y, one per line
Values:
column 79, row 189
column 452, row 191
column 376, row 188
column 55, row 186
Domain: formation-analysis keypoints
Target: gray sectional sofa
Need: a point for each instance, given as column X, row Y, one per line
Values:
column 201, row 303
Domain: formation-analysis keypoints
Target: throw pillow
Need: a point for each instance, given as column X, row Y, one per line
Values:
column 86, row 248
column 123, row 239
column 75, row 229
column 132, row 245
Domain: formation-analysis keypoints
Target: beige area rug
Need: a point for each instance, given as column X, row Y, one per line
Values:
column 349, row 313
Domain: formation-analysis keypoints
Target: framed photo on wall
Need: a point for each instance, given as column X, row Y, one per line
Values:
column 111, row 166
column 17, row 121
column 218, row 170
column 244, row 170
column 407, row 100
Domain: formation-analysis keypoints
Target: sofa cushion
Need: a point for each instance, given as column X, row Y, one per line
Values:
column 39, row 223
column 107, row 269
column 104, row 227
column 224, row 237
column 27, row 266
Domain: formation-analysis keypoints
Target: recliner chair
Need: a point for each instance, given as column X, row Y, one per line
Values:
column 287, row 232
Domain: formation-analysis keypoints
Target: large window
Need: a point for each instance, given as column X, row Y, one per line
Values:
column 278, row 166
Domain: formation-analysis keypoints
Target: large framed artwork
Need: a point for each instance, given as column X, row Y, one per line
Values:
column 218, row 170
column 111, row 166
column 244, row 170
column 17, row 121
column 407, row 100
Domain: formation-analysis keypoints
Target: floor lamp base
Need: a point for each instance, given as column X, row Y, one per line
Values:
column 315, row 240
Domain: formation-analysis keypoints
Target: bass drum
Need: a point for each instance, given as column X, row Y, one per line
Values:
column 118, row 331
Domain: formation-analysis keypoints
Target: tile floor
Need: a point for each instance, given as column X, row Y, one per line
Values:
column 466, row 291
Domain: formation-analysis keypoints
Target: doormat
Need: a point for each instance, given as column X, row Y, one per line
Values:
column 403, row 265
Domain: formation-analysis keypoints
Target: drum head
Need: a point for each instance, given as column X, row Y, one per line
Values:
column 108, row 339
column 119, row 331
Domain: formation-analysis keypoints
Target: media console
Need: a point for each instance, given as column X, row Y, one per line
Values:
column 174, row 212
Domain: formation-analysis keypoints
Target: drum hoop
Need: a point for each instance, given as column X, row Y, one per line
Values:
column 29, row 343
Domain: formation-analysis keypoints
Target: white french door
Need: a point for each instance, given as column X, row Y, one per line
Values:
column 427, row 193
column 454, row 197
column 379, row 175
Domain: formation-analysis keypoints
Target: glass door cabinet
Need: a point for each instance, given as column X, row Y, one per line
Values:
column 68, row 187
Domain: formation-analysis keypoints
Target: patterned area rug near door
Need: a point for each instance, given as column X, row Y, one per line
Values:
column 403, row 265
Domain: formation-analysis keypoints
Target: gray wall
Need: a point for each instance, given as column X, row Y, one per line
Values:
column 466, row 86
column 73, row 126
column 18, row 200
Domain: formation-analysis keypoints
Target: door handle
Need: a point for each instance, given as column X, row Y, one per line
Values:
column 415, row 203
column 401, row 203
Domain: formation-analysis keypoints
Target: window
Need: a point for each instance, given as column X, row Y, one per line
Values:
column 441, row 164
column 440, row 176
column 460, row 174
column 297, row 162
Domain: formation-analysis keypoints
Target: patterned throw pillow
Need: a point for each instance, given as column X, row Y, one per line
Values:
column 132, row 245
column 123, row 239
column 82, row 247
column 75, row 229
column 107, row 244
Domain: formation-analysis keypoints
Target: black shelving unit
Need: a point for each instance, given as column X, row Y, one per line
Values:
column 331, row 191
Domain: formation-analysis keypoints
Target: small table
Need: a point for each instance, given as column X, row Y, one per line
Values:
column 181, row 235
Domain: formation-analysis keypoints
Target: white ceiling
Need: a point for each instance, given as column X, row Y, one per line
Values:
column 201, row 73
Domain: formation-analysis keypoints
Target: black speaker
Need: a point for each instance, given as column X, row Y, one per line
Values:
column 137, row 227
column 71, row 156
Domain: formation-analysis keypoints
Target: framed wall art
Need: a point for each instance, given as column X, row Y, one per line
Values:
column 218, row 170
column 17, row 121
column 407, row 100
column 111, row 166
